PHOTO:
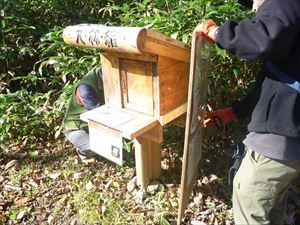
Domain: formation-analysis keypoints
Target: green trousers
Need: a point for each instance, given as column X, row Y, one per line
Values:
column 260, row 189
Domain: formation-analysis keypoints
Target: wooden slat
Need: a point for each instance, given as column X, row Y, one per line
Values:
column 146, row 57
column 111, row 80
column 112, row 118
column 167, row 40
column 180, row 121
column 142, row 161
column 171, row 115
column 137, row 85
column 137, row 126
column 155, row 134
column 148, row 161
column 129, row 123
column 173, row 83
column 156, row 47
column 156, row 156
column 163, row 45
column 106, row 129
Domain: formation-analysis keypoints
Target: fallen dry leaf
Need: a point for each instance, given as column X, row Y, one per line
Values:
column 194, row 222
column 89, row 186
column 54, row 175
column 50, row 219
column 10, row 164
column 206, row 186
column 10, row 187
column 65, row 200
column 77, row 175
column 23, row 200
column 213, row 178
column 136, row 209
column 21, row 215
column 198, row 199
column 35, row 182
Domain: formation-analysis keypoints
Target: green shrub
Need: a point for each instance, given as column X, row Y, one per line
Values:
column 38, row 70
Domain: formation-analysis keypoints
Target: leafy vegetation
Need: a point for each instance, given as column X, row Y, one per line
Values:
column 41, row 181
column 39, row 69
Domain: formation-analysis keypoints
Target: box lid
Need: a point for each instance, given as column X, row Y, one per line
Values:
column 129, row 124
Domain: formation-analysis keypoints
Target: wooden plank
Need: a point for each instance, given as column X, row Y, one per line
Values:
column 173, row 83
column 156, row 88
column 157, row 47
column 111, row 80
column 108, row 116
column 156, row 156
column 180, row 121
column 135, row 40
column 146, row 57
column 137, row 85
column 163, row 45
column 197, row 95
column 142, row 150
column 155, row 134
column 167, row 40
column 121, row 39
column 129, row 123
column 171, row 115
column 148, row 161
column 137, row 126
column 106, row 129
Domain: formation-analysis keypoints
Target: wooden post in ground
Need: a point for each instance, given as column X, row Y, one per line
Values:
column 148, row 161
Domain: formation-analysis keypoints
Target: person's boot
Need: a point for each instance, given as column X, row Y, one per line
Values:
column 87, row 157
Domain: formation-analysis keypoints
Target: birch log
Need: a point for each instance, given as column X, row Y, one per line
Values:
column 121, row 39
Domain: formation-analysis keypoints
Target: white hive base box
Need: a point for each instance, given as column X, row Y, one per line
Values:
column 108, row 126
column 108, row 145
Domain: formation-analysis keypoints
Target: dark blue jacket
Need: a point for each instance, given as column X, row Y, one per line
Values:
column 271, row 35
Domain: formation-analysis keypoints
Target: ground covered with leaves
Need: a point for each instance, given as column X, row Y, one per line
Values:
column 50, row 185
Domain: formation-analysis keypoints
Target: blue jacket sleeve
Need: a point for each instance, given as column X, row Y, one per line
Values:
column 269, row 35
column 88, row 96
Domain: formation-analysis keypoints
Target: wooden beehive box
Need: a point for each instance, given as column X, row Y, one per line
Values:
column 154, row 82
column 143, row 70
column 145, row 78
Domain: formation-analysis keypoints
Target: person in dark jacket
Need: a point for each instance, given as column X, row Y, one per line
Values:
column 272, row 157
column 88, row 94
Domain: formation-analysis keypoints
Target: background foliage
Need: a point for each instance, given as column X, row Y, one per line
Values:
column 37, row 75
column 38, row 70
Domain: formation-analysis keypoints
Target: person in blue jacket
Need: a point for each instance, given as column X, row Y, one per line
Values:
column 88, row 94
column 272, row 159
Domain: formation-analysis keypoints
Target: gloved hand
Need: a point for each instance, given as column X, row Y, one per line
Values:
column 223, row 115
column 208, row 29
